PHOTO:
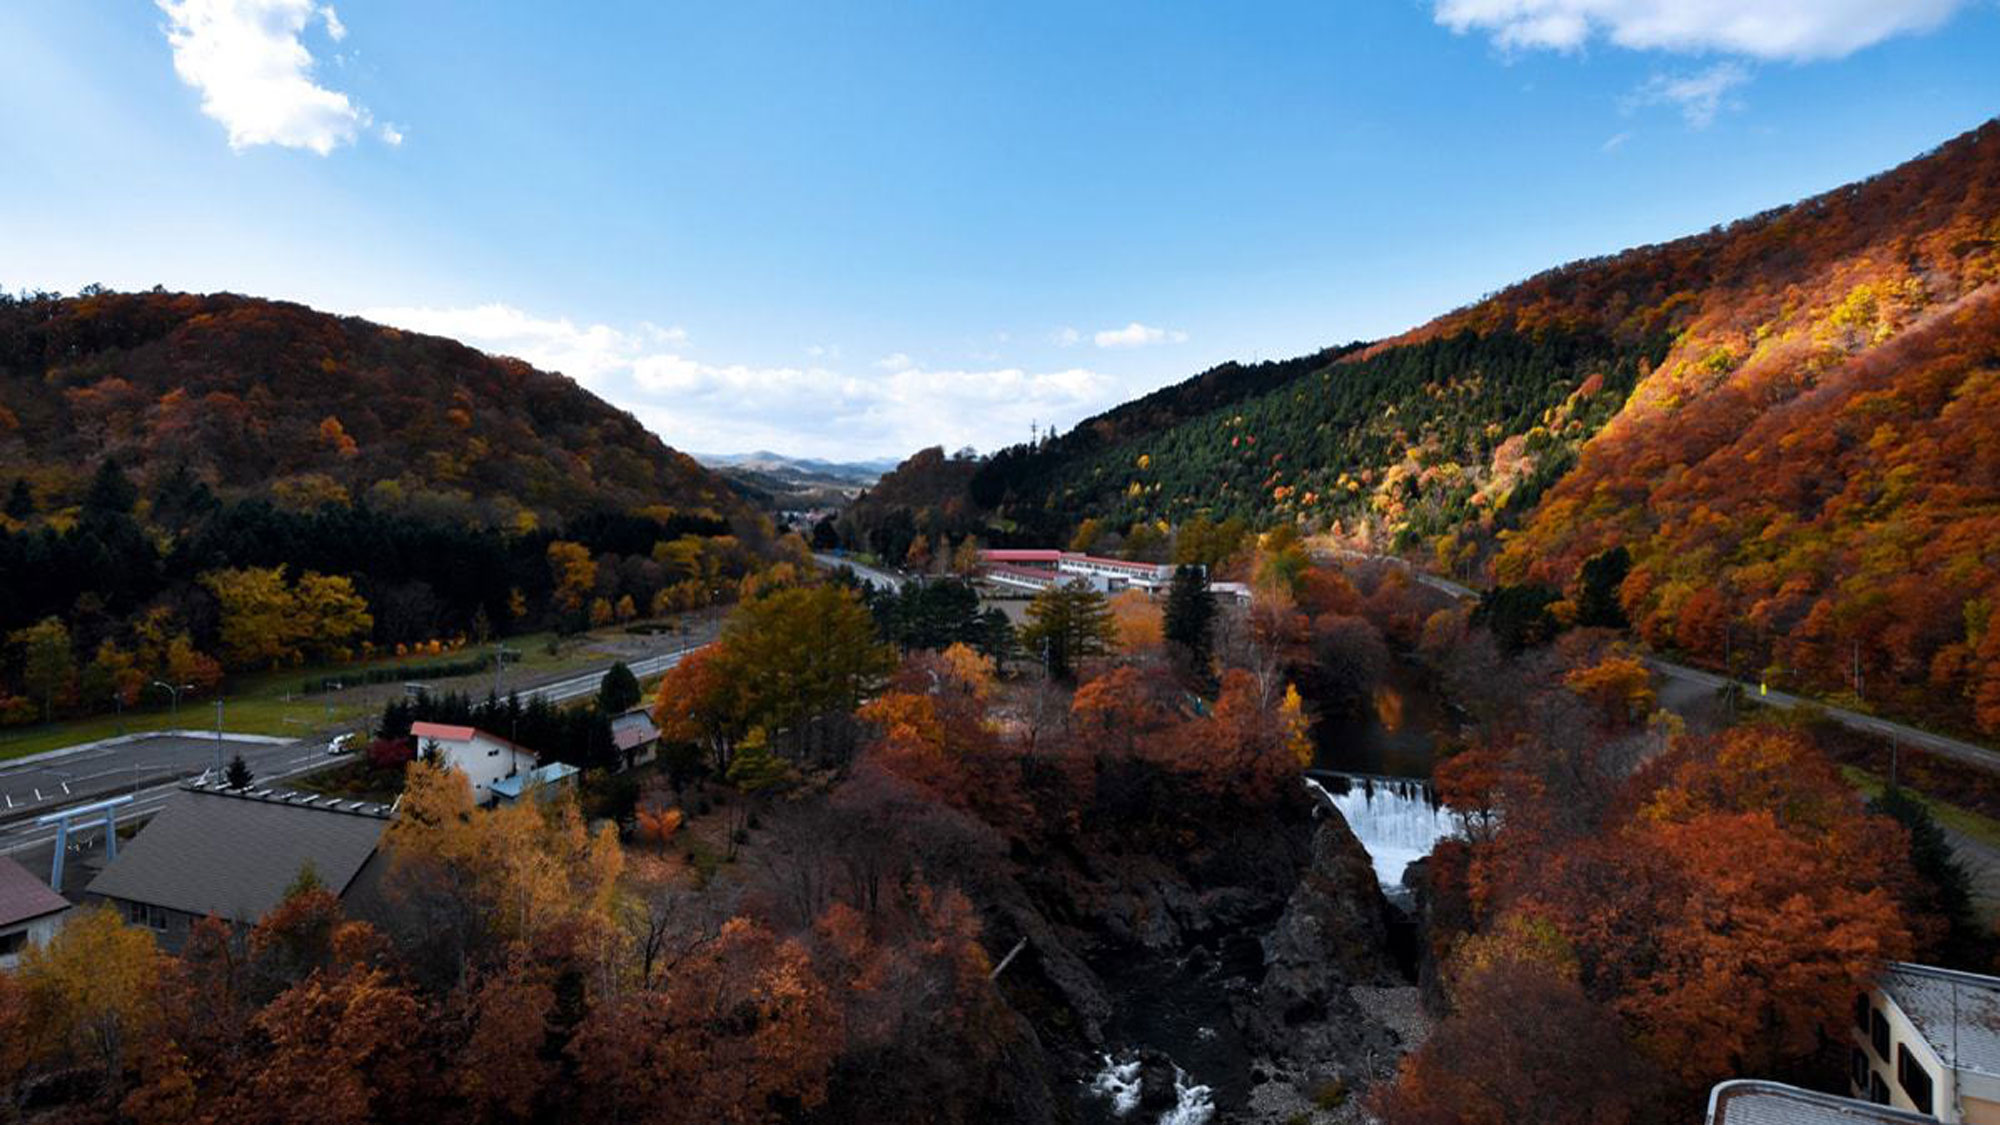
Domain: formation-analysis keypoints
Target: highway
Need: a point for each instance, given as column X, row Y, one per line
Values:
column 880, row 579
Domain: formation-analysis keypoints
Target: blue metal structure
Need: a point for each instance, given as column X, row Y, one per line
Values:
column 61, row 820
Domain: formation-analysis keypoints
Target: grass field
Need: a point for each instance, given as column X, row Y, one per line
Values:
column 1984, row 829
column 270, row 703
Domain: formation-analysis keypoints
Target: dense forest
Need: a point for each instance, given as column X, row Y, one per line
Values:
column 298, row 406
column 1420, row 439
column 198, row 485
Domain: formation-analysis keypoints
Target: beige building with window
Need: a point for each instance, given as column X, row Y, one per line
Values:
column 1928, row 1041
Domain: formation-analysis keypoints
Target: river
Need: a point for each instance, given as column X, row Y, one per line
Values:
column 1181, row 1008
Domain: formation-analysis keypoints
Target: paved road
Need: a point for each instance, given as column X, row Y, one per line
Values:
column 879, row 579
column 274, row 762
column 587, row 683
column 46, row 782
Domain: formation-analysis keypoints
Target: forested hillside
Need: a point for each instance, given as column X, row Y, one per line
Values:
column 198, row 485
column 277, row 400
column 1791, row 423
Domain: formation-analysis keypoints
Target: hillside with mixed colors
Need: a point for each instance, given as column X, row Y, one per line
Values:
column 275, row 399
column 1792, row 424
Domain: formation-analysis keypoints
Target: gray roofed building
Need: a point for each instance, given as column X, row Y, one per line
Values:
column 232, row 853
column 635, row 735
column 1754, row 1102
column 1928, row 1040
column 1958, row 1014
column 30, row 913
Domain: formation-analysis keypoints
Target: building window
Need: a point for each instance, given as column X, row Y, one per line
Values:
column 1858, row 1070
column 13, row 943
column 1878, row 1033
column 1913, row 1078
column 1878, row 1092
column 146, row 914
column 1861, row 1009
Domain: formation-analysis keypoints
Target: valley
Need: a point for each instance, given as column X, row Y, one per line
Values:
column 1545, row 698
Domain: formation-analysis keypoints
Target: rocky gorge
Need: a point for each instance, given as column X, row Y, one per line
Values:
column 1243, row 977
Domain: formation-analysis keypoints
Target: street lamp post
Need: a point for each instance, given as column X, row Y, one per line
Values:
column 174, row 691
column 218, row 738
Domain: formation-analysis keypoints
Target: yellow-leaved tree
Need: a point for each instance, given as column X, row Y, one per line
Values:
column 504, row 879
column 92, row 992
column 574, row 572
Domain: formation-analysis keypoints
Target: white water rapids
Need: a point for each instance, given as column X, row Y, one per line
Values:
column 1119, row 1081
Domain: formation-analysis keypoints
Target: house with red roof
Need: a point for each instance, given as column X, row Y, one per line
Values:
column 483, row 758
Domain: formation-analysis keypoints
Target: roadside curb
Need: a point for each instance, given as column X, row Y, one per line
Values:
column 136, row 736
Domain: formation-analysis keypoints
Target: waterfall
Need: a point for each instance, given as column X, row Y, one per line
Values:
column 1396, row 819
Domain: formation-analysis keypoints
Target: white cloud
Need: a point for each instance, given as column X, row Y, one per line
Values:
column 587, row 353
column 812, row 410
column 1615, row 142
column 1795, row 30
column 1066, row 337
column 1136, row 335
column 896, row 361
column 249, row 60
column 1699, row 96
column 391, row 135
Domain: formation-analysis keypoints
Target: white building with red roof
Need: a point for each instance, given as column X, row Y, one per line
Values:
column 483, row 758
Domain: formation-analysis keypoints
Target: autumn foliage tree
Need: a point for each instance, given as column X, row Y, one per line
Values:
column 1513, row 1051
column 92, row 994
column 267, row 622
column 741, row 1032
column 1724, row 909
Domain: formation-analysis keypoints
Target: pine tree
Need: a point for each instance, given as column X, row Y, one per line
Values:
column 238, row 774
column 111, row 490
column 20, row 501
column 1597, row 601
column 1066, row 625
column 619, row 691
column 1190, row 620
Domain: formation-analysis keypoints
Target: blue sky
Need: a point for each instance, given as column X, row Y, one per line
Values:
column 850, row 230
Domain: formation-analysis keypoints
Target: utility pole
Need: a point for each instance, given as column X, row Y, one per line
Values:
column 1857, row 670
column 218, row 738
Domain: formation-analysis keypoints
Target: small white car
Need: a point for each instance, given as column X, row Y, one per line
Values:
column 339, row 744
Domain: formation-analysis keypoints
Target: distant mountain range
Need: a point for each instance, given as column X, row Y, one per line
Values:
column 777, row 482
column 765, row 461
